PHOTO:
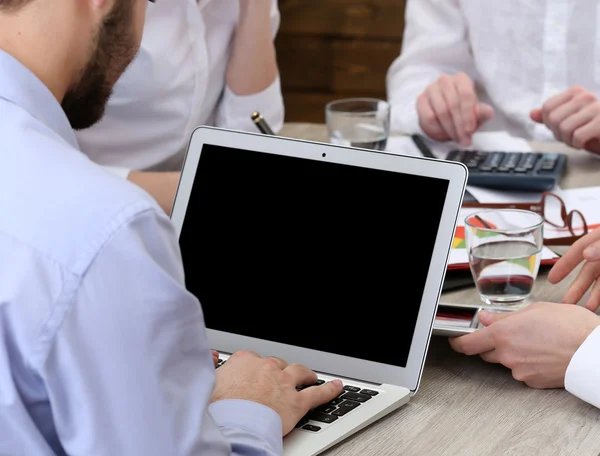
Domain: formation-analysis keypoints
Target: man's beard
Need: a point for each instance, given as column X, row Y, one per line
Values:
column 115, row 47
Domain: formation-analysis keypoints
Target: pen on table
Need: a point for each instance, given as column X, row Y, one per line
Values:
column 420, row 143
column 261, row 123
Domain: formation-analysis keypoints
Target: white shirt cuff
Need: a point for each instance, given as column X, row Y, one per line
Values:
column 405, row 120
column 583, row 374
column 235, row 111
column 118, row 171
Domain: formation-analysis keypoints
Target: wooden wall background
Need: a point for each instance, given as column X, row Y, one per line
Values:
column 330, row 49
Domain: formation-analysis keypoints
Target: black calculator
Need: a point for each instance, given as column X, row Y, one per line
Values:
column 524, row 171
column 519, row 171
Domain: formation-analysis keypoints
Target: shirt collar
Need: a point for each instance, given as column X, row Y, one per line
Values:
column 20, row 86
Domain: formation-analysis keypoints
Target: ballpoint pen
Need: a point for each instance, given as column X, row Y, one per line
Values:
column 422, row 146
column 261, row 123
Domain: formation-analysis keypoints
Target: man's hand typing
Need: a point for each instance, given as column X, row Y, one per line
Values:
column 272, row 382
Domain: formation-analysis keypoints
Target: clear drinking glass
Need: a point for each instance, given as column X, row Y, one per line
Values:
column 359, row 122
column 504, row 248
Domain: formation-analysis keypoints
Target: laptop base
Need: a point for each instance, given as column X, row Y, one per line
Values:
column 305, row 443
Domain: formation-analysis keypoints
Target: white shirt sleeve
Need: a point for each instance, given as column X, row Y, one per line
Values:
column 435, row 42
column 583, row 374
column 118, row 171
column 130, row 370
column 234, row 111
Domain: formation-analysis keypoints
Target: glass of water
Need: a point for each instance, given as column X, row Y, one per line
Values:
column 359, row 122
column 504, row 248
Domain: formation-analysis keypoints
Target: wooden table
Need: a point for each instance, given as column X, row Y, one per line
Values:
column 467, row 407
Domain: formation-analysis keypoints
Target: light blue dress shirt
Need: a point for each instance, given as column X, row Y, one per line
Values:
column 102, row 349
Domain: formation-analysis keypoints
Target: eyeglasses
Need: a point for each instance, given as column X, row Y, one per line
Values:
column 553, row 210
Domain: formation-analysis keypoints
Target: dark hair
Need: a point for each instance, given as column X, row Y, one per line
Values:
column 12, row 5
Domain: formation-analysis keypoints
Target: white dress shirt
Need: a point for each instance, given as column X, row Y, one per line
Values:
column 103, row 352
column 177, row 83
column 519, row 52
column 583, row 373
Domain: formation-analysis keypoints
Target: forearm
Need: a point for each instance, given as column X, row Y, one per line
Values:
column 435, row 42
column 162, row 186
column 253, row 63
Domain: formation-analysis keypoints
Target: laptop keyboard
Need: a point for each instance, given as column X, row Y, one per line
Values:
column 349, row 399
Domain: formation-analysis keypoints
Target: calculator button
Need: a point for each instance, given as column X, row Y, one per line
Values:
column 510, row 162
column 530, row 160
column 526, row 163
column 472, row 159
column 455, row 155
column 548, row 162
column 492, row 162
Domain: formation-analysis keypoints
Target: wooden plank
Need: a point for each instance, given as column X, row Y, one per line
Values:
column 305, row 63
column 362, row 66
column 324, row 65
column 306, row 107
column 370, row 19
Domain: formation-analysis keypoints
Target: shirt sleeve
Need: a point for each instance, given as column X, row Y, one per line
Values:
column 118, row 171
column 234, row 111
column 583, row 374
column 130, row 369
column 435, row 42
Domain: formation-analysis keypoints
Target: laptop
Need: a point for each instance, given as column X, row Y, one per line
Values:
column 325, row 255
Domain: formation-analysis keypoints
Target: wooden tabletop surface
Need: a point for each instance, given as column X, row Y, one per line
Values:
column 467, row 407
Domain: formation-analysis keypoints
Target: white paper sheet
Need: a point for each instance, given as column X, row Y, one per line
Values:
column 402, row 145
column 486, row 195
column 586, row 200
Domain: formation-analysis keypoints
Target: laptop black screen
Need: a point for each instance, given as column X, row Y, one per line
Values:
column 310, row 253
